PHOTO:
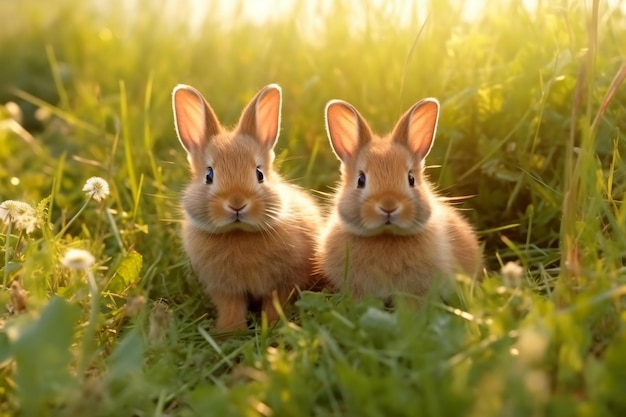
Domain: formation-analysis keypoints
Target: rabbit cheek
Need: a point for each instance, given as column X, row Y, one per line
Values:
column 349, row 207
column 255, row 214
column 421, row 211
column 197, row 206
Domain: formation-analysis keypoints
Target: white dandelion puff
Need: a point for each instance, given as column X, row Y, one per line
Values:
column 512, row 273
column 5, row 212
column 21, row 214
column 14, row 110
column 78, row 259
column 97, row 188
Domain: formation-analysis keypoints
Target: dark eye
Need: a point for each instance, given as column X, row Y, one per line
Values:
column 209, row 175
column 411, row 179
column 259, row 174
column 361, row 181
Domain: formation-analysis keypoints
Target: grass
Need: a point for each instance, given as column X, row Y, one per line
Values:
column 531, row 131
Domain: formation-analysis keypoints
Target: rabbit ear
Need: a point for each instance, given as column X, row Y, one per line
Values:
column 261, row 118
column 417, row 128
column 195, row 120
column 346, row 129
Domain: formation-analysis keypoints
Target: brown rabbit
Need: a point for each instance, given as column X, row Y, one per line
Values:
column 388, row 231
column 248, row 233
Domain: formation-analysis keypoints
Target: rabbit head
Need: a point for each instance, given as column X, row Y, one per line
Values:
column 383, row 189
column 232, row 177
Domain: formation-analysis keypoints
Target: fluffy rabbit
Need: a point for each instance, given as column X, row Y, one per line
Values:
column 388, row 232
column 248, row 233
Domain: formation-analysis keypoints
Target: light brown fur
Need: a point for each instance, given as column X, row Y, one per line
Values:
column 244, row 237
column 388, row 237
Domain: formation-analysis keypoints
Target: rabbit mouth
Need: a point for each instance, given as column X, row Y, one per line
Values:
column 238, row 220
column 392, row 225
column 239, row 225
column 389, row 220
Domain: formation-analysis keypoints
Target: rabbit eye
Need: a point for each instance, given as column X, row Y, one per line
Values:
column 361, row 181
column 411, row 179
column 209, row 175
column 259, row 175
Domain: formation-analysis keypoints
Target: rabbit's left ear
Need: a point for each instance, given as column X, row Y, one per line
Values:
column 194, row 119
column 347, row 131
column 261, row 118
column 417, row 127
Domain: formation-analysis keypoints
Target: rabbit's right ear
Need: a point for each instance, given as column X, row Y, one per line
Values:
column 346, row 129
column 194, row 118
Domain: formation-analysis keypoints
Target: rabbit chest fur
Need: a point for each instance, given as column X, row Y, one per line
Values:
column 256, row 263
column 388, row 264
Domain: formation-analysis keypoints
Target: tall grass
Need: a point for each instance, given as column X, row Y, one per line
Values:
column 531, row 136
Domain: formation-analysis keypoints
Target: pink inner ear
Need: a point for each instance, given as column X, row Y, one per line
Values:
column 190, row 118
column 343, row 128
column 422, row 127
column 194, row 118
column 267, row 116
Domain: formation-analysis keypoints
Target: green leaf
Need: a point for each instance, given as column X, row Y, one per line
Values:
column 42, row 355
column 128, row 272
column 379, row 324
column 127, row 358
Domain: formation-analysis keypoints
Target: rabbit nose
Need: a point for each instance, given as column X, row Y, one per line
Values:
column 387, row 210
column 237, row 209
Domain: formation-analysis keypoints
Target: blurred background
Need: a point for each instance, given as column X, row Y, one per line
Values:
column 92, row 83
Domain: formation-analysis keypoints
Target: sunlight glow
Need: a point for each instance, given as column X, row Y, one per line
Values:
column 264, row 10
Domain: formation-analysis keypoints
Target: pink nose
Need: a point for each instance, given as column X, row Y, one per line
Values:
column 388, row 211
column 237, row 209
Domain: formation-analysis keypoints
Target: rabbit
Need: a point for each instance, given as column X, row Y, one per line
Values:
column 388, row 232
column 249, row 234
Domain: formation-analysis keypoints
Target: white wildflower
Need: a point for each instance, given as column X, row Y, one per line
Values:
column 21, row 214
column 43, row 114
column 5, row 212
column 14, row 110
column 512, row 273
column 78, row 259
column 97, row 188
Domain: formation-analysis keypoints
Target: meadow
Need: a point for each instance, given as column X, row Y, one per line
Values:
column 530, row 140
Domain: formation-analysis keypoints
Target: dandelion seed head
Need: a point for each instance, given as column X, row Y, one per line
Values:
column 43, row 114
column 5, row 212
column 78, row 259
column 97, row 188
column 27, row 223
column 512, row 273
column 14, row 110
column 21, row 214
